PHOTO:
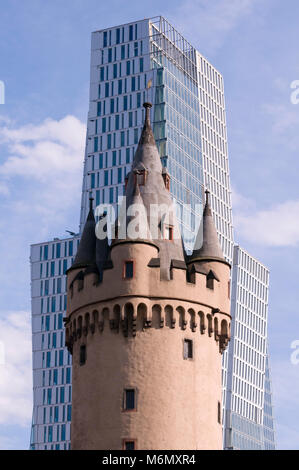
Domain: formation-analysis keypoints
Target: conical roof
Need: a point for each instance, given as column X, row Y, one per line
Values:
column 155, row 197
column 86, row 254
column 136, row 223
column 207, row 244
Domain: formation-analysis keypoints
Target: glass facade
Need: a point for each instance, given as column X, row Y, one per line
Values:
column 52, row 370
column 268, row 420
column 147, row 60
column 158, row 65
column 248, row 390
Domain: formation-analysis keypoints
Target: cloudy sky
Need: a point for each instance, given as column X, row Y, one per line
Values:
column 44, row 64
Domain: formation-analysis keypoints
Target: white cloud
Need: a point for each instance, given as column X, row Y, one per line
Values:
column 42, row 169
column 16, row 372
column 276, row 226
column 211, row 21
column 43, row 150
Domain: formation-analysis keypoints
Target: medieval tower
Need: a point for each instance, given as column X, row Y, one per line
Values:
column 146, row 324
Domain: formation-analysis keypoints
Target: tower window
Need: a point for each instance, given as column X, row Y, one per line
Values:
column 168, row 232
column 211, row 277
column 128, row 270
column 210, row 280
column 140, row 177
column 130, row 399
column 82, row 354
column 188, row 349
column 129, row 444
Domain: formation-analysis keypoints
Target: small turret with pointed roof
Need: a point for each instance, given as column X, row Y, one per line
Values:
column 86, row 254
column 207, row 246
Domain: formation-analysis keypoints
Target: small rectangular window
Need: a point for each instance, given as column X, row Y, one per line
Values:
column 133, row 83
column 105, row 39
column 130, row 119
column 123, row 52
column 122, row 138
column 129, row 399
column 131, row 32
column 102, row 74
column 129, row 444
column 95, row 144
column 135, row 49
column 219, row 412
column 141, row 64
column 119, row 175
column 168, row 232
column 117, row 36
column 188, row 349
column 128, row 269
column 106, row 89
column 128, row 155
column 138, row 100
column 82, row 354
column 117, row 122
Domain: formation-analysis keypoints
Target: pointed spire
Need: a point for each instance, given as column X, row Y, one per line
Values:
column 147, row 154
column 86, row 254
column 147, row 136
column 152, row 192
column 207, row 244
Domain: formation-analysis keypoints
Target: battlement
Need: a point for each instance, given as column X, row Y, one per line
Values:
column 205, row 285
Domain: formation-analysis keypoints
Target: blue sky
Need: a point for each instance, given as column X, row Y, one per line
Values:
column 44, row 64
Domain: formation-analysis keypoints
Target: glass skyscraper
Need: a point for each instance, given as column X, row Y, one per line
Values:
column 52, row 371
column 248, row 416
column 147, row 60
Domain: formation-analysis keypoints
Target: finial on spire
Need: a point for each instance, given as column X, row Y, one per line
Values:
column 207, row 196
column 90, row 202
column 147, row 105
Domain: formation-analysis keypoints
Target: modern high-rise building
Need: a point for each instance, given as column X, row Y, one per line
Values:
column 248, row 395
column 52, row 370
column 147, row 60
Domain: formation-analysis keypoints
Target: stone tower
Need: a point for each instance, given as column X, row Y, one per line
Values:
column 146, row 324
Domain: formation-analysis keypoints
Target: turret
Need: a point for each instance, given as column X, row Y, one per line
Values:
column 208, row 260
column 86, row 253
